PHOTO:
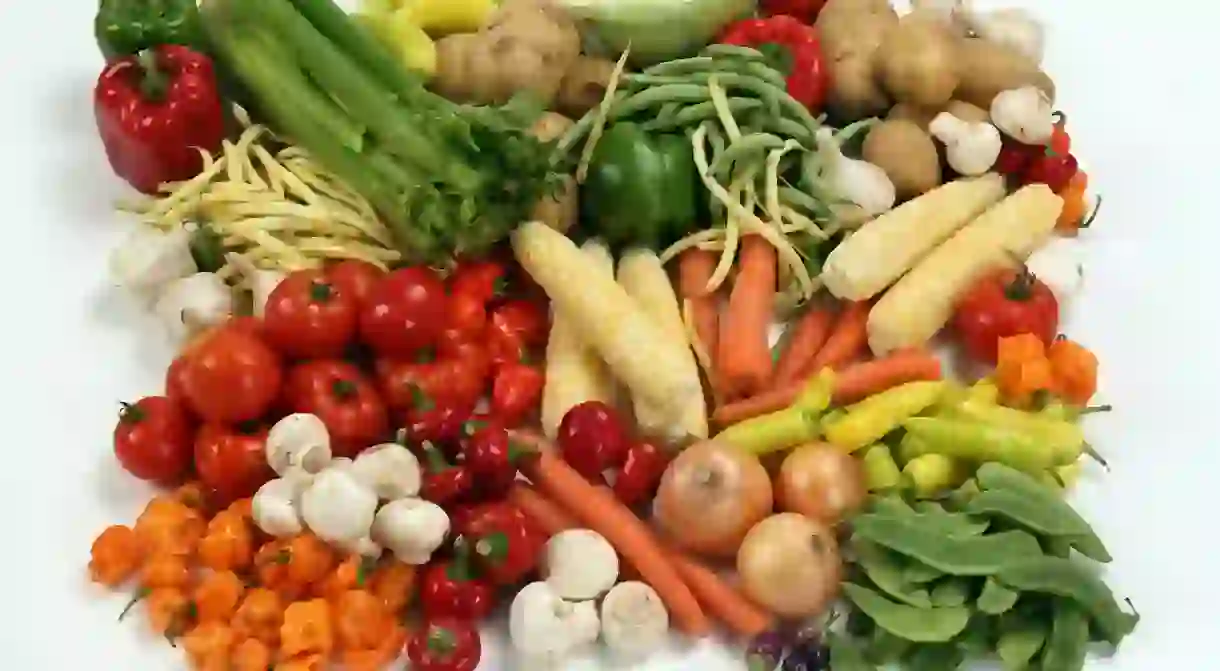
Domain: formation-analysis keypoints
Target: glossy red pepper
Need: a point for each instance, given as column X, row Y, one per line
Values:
column 1014, row 157
column 591, row 437
column 449, row 589
column 471, row 288
column 792, row 48
column 516, row 327
column 516, row 392
column 445, row 644
column 805, row 10
column 155, row 111
column 1052, row 169
column 491, row 456
column 443, row 483
column 505, row 544
column 641, row 473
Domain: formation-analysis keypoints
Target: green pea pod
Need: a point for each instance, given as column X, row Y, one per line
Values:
column 944, row 657
column 950, row 592
column 1047, row 505
column 885, row 570
column 1057, row 547
column 845, row 655
column 918, row 574
column 996, row 599
column 978, row 638
column 891, row 504
column 885, row 648
column 934, row 515
column 1021, row 638
column 979, row 442
column 953, row 554
column 1042, row 515
column 1068, row 644
column 1071, row 580
column 920, row 625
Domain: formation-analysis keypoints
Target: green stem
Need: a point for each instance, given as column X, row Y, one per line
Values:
column 154, row 82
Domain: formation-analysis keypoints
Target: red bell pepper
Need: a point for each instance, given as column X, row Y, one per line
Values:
column 445, row 644
column 443, row 483
column 491, row 456
column 505, row 543
column 792, row 48
column 155, row 111
column 448, row 589
column 516, row 392
column 805, row 10
column 641, row 473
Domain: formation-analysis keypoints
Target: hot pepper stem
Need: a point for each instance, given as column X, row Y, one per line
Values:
column 459, row 570
column 1096, row 456
column 135, row 598
column 153, row 81
column 436, row 461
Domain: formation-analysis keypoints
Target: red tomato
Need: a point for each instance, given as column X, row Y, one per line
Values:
column 232, row 461
column 153, row 440
column 458, row 346
column 231, row 376
column 308, row 317
column 344, row 399
column 405, row 312
column 1003, row 304
column 355, row 278
column 175, row 383
column 450, row 381
column 525, row 320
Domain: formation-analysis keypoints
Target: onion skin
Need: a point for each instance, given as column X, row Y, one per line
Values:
column 821, row 482
column 710, row 496
column 790, row 565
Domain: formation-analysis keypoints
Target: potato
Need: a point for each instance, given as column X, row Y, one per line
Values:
column 560, row 211
column 453, row 78
column 551, row 126
column 916, row 61
column 906, row 153
column 920, row 116
column 986, row 68
column 584, row 85
column 851, row 32
column 967, row 112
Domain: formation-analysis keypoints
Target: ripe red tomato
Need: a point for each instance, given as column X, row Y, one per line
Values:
column 406, row 385
column 153, row 440
column 355, row 278
column 232, row 461
column 405, row 312
column 1003, row 304
column 344, row 399
column 175, row 383
column 230, row 376
column 526, row 321
column 307, row 316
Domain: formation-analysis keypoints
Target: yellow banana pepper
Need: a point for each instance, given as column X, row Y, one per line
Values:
column 880, row 470
column 867, row 421
column 403, row 36
column 445, row 17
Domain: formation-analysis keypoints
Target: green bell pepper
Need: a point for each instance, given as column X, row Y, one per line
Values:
column 642, row 188
column 126, row 27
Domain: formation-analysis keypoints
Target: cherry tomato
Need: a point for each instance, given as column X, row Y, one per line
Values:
column 1003, row 304
column 175, row 383
column 153, row 440
column 1054, row 170
column 309, row 317
column 355, row 278
column 473, row 285
column 467, row 314
column 516, row 392
column 1014, row 157
column 457, row 346
column 591, row 438
column 405, row 312
column 344, row 399
column 450, row 381
column 231, row 376
column 232, row 461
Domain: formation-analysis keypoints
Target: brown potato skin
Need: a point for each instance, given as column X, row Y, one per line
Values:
column 907, row 154
column 967, row 112
column 920, row 116
column 562, row 210
column 584, row 85
column 852, row 32
column 917, row 62
column 986, row 69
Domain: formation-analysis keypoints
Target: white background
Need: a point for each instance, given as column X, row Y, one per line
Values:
column 1136, row 79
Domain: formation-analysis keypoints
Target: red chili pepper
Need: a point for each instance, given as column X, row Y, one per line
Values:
column 443, row 482
column 792, row 48
column 524, row 321
column 445, row 644
column 805, row 10
column 506, row 545
column 1060, row 142
column 448, row 589
column 1051, row 169
column 155, row 112
column 1014, row 157
column 641, row 473
column 472, row 287
column 491, row 457
column 516, row 392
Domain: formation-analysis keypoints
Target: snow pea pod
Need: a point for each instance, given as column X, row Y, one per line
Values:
column 1051, row 517
column 919, row 625
column 885, row 648
column 996, row 599
column 955, row 555
column 934, row 658
column 950, row 592
column 1068, row 643
column 917, row 574
column 1075, row 581
column 997, row 477
column 885, row 570
column 979, row 637
column 845, row 655
column 1022, row 636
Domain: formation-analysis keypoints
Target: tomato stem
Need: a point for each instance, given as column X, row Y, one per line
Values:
column 1021, row 288
column 344, row 389
column 131, row 413
column 320, row 292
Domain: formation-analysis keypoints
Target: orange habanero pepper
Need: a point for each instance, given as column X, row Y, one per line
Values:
column 394, row 584
column 228, row 543
column 251, row 655
column 209, row 646
column 1022, row 368
column 361, row 620
column 307, row 629
column 387, row 650
column 217, row 595
column 309, row 560
column 259, row 616
column 167, row 526
column 168, row 611
column 115, row 556
column 1075, row 370
column 351, row 573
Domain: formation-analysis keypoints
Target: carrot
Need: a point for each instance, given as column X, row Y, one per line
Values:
column 695, row 268
column 743, row 355
column 808, row 335
column 846, row 341
column 597, row 509
column 851, row 384
column 720, row 598
column 540, row 510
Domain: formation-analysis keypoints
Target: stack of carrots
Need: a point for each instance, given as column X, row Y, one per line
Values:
column 746, row 379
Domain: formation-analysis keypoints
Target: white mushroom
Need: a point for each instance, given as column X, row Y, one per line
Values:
column 259, row 281
column 148, row 259
column 337, row 508
column 191, row 304
column 971, row 147
column 299, row 440
column 390, row 470
column 1013, row 27
column 856, row 181
column 580, row 564
column 274, row 507
column 411, row 528
column 1024, row 114
column 344, row 464
column 634, row 620
column 365, row 547
column 1060, row 265
column 545, row 629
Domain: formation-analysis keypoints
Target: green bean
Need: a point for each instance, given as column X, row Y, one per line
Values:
column 845, row 655
column 953, row 554
column 1021, row 638
column 758, row 85
column 934, row 658
column 1075, row 581
column 768, row 74
column 919, row 625
column 996, row 599
column 950, row 592
column 733, row 51
column 1068, row 643
column 681, row 66
column 782, row 126
column 657, row 95
column 800, row 200
column 740, row 150
column 668, row 111
column 1029, row 496
column 693, row 114
column 885, row 570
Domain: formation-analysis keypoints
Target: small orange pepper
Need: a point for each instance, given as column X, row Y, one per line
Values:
column 311, row 662
column 165, row 570
column 1022, row 368
column 307, row 629
column 243, row 508
column 209, row 646
column 217, row 595
column 259, row 616
column 168, row 526
column 394, row 584
column 1075, row 370
column 228, row 543
column 191, row 495
column 309, row 560
column 168, row 611
column 353, row 572
column 386, row 651
column 251, row 655
column 115, row 555
column 360, row 620
column 271, row 568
